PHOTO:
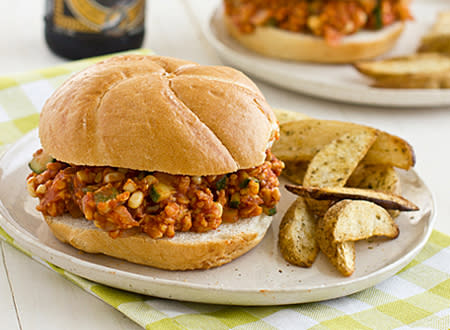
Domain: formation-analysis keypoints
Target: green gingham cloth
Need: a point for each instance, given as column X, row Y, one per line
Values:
column 417, row 297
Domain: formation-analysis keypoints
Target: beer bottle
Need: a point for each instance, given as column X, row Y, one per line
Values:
column 82, row 28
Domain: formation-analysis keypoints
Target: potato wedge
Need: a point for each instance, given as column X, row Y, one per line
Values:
column 423, row 70
column 383, row 199
column 295, row 171
column 285, row 116
column 351, row 220
column 301, row 140
column 377, row 177
column 296, row 237
column 425, row 63
column 335, row 162
column 438, row 38
column 391, row 150
column 440, row 81
column 346, row 222
column 341, row 255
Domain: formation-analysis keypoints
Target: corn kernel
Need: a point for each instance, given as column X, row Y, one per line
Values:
column 197, row 179
column 82, row 176
column 136, row 199
column 150, row 179
column 41, row 189
column 113, row 177
column 130, row 186
column 30, row 187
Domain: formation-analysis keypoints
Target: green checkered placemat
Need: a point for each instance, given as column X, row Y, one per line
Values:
column 416, row 297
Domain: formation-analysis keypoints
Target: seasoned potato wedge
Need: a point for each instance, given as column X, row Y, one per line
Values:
column 423, row 70
column 377, row 177
column 383, row 199
column 346, row 222
column 295, row 171
column 391, row 150
column 285, row 116
column 335, row 162
column 346, row 181
column 296, row 237
column 351, row 220
column 341, row 255
column 438, row 38
column 301, row 140
column 416, row 82
column 426, row 63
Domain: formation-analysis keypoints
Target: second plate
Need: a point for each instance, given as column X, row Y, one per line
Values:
column 335, row 82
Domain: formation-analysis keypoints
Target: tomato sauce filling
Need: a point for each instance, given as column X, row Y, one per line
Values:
column 123, row 201
column 330, row 19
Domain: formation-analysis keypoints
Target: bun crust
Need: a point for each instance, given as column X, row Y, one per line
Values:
column 158, row 114
column 296, row 46
column 185, row 251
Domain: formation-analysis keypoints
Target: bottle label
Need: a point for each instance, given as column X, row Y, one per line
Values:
column 109, row 17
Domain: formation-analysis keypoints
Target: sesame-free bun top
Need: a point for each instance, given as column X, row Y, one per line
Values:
column 158, row 114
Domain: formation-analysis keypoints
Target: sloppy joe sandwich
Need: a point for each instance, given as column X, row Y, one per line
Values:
column 158, row 161
column 323, row 31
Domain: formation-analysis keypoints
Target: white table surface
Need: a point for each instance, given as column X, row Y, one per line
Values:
column 34, row 297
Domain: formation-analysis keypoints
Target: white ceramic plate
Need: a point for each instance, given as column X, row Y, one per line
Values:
column 334, row 82
column 260, row 277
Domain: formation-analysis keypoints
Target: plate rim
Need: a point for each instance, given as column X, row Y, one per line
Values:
column 26, row 240
column 383, row 97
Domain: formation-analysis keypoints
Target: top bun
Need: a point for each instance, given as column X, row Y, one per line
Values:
column 158, row 114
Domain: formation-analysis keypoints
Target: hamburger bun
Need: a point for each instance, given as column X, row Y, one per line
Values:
column 185, row 251
column 273, row 42
column 158, row 114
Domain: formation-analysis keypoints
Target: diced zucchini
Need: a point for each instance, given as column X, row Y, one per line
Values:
column 160, row 191
column 378, row 15
column 39, row 162
column 221, row 183
column 235, row 200
column 105, row 194
column 269, row 212
column 271, row 22
column 244, row 183
column 88, row 189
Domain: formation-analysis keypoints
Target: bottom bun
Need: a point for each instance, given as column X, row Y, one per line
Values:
column 287, row 45
column 185, row 251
